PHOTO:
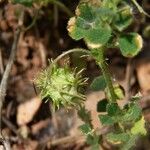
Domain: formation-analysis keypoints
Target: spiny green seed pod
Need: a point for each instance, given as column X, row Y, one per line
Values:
column 62, row 86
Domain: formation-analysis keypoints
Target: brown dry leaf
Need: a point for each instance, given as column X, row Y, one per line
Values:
column 91, row 105
column 27, row 110
column 143, row 75
column 3, row 25
column 29, row 145
column 11, row 12
column 22, row 56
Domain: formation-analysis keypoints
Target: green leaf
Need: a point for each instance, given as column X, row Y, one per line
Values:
column 130, row 143
column 110, row 4
column 106, row 120
column 99, row 35
column 139, row 127
column 124, row 18
column 85, row 12
column 117, row 138
column 98, row 84
column 85, row 128
column 132, row 112
column 113, row 109
column 93, row 140
column 88, row 25
column 75, row 32
column 130, row 44
column 84, row 115
column 119, row 92
column 101, row 105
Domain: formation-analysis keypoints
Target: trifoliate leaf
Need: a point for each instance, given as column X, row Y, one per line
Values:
column 130, row 44
column 98, row 84
column 101, row 105
column 117, row 138
column 139, row 127
column 88, row 25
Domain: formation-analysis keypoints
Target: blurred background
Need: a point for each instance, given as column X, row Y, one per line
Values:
column 28, row 121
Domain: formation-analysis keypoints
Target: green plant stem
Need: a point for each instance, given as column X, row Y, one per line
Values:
column 33, row 21
column 70, row 51
column 62, row 6
column 104, row 67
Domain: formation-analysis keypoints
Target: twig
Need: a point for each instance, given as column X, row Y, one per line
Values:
column 1, row 62
column 128, row 79
column 41, row 48
column 75, row 138
column 33, row 21
column 10, row 125
column 4, row 81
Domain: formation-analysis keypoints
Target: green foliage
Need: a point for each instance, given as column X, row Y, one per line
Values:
column 102, row 25
column 124, row 18
column 113, row 109
column 107, row 120
column 101, row 105
column 130, row 143
column 91, row 137
column 85, row 128
column 98, row 84
column 118, row 138
column 124, row 140
column 84, row 115
column 139, row 127
column 130, row 44
column 88, row 25
column 132, row 111
column 118, row 90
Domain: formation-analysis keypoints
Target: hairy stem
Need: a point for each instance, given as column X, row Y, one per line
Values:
column 81, row 50
column 105, row 71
